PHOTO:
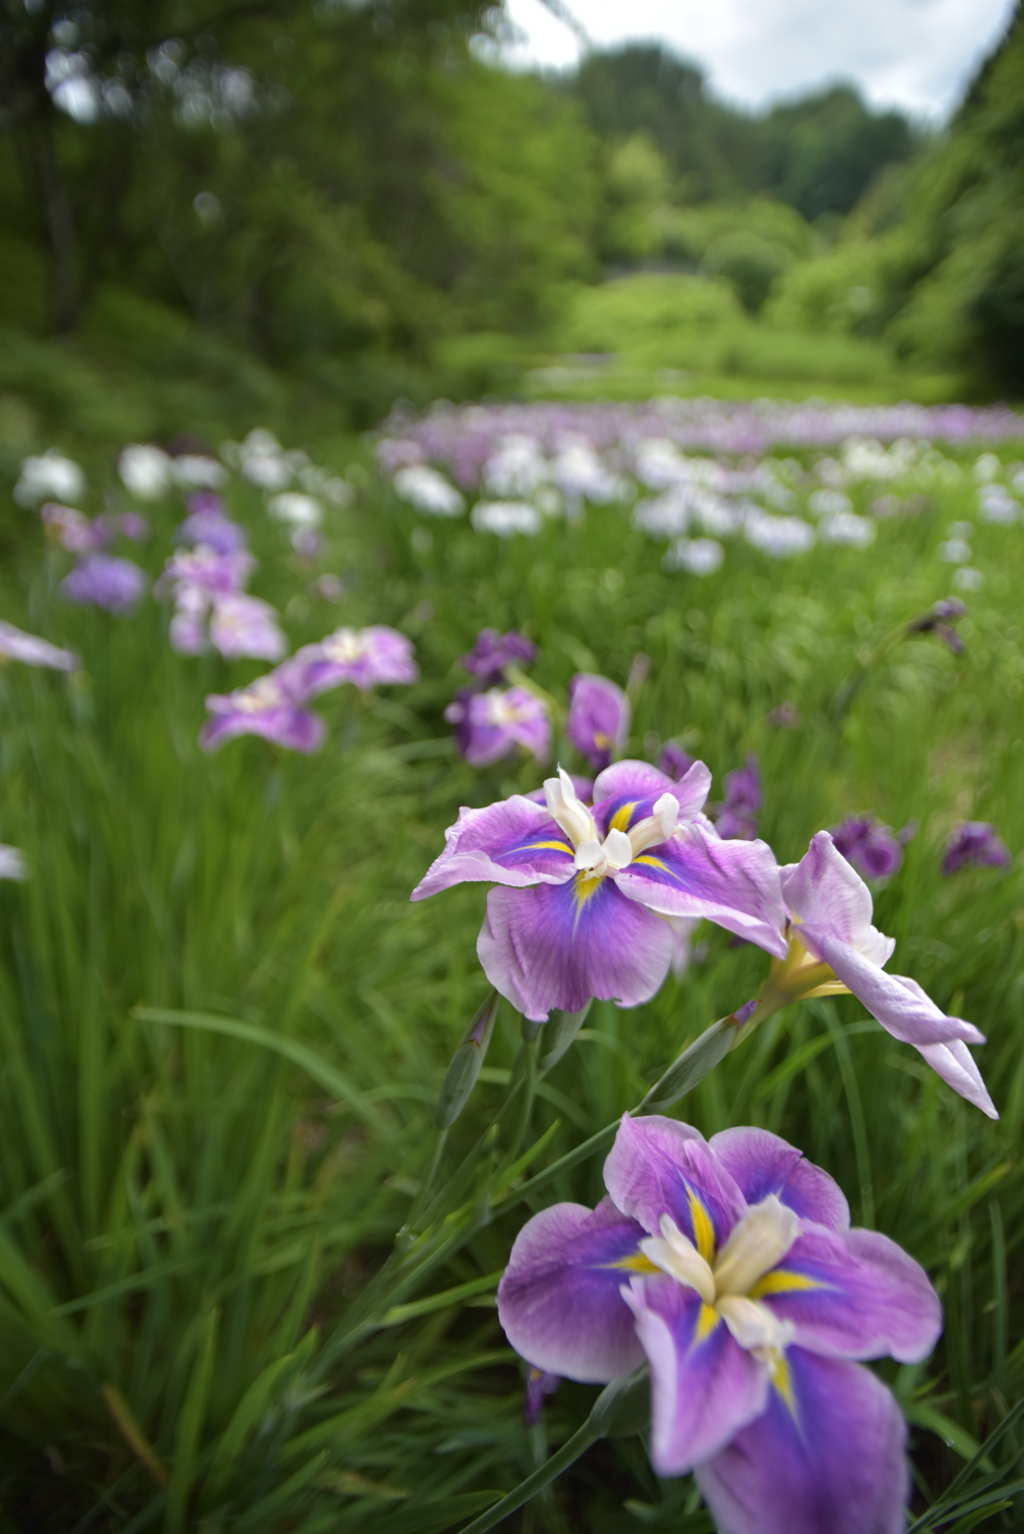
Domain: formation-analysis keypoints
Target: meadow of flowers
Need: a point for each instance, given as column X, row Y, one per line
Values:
column 512, row 977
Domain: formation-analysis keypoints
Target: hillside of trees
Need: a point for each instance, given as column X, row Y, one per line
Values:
column 357, row 198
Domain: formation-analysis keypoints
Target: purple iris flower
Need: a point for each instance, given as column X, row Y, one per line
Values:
column 220, row 574
column 978, row 843
column 583, row 893
column 73, row 530
column 490, row 725
column 188, row 624
column 730, row 1268
column 675, row 761
column 133, row 526
column 744, row 796
column 213, row 528
column 939, row 619
column 104, row 580
column 834, row 949
column 266, row 707
column 241, row 625
column 874, row 849
column 599, row 718
column 365, row 657
column 17, row 645
column 493, row 652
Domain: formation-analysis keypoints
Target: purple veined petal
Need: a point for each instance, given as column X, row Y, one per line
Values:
column 640, row 783
column 898, row 1002
column 958, row 1069
column 826, row 1457
column 658, row 1166
column 559, row 945
column 761, row 1163
column 825, row 891
column 705, row 1388
column 560, row 1300
column 512, row 842
column 854, row 1294
column 599, row 717
column 735, row 884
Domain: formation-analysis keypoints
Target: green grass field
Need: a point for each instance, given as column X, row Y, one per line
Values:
column 223, row 1026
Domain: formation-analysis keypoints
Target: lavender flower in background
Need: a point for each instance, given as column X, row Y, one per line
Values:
column 539, row 1385
column 49, row 476
column 12, row 864
column 17, row 645
column 242, row 625
column 674, row 761
column 493, row 653
column 730, row 1268
column 267, row 707
column 73, row 530
column 582, row 892
column 132, row 525
column 105, row 580
column 874, row 849
column 977, row 844
column 736, row 816
column 198, row 471
column 296, row 510
column 491, row 725
column 187, row 633
column 365, row 657
column 209, row 524
column 939, row 620
column 599, row 718
column 146, row 470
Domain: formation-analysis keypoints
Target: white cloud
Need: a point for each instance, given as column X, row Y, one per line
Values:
column 915, row 54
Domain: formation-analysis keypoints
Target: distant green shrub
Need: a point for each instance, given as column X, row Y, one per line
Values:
column 840, row 292
column 751, row 264
column 630, row 312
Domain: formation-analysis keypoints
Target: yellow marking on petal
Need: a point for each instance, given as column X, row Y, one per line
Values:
column 703, row 1230
column 543, row 846
column 707, row 1320
column 782, row 1281
column 587, row 886
column 782, row 1380
column 636, row 1262
column 620, row 820
column 656, row 863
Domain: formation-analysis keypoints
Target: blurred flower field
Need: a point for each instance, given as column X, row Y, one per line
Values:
column 252, row 1226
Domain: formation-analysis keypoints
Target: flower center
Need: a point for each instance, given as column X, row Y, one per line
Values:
column 619, row 848
column 259, row 696
column 344, row 646
column 725, row 1281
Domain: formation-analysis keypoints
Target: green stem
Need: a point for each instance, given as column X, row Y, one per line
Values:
column 567, row 1455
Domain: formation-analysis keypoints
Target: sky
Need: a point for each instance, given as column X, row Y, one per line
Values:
column 915, row 54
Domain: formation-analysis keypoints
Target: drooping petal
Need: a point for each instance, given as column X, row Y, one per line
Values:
column 826, row 1457
column 762, row 1163
column 297, row 729
column 898, row 1002
column 825, row 891
column 658, row 1166
column 704, row 1387
column 512, row 842
column 598, row 719
column 561, row 945
column 560, row 1300
column 735, row 884
column 957, row 1067
column 854, row 1294
column 638, row 782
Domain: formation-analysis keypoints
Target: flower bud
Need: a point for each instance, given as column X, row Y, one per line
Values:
column 465, row 1065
